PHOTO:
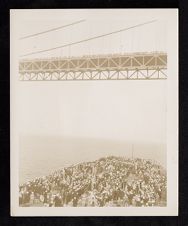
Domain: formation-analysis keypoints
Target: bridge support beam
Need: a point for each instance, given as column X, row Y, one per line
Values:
column 116, row 67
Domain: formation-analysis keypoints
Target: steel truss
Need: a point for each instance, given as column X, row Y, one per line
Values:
column 109, row 67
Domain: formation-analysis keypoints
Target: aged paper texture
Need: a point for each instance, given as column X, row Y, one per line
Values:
column 94, row 112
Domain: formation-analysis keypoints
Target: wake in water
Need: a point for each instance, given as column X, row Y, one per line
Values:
column 110, row 181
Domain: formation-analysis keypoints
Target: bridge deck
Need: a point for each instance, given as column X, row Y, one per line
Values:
column 86, row 67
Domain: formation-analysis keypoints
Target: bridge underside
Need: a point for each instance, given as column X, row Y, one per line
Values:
column 115, row 67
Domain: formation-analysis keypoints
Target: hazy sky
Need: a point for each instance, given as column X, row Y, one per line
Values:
column 127, row 110
column 124, row 110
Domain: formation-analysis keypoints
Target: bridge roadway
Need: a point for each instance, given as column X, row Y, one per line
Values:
column 136, row 66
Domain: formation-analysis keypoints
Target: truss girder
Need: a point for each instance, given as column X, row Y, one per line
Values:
column 135, row 66
column 95, row 75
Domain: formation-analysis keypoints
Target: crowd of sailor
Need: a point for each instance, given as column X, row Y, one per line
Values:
column 109, row 181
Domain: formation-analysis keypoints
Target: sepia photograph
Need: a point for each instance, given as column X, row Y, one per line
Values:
column 94, row 112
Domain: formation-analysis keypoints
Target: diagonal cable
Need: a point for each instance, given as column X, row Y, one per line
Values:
column 50, row 30
column 89, row 39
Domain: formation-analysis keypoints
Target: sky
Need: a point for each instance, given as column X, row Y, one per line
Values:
column 109, row 109
column 124, row 110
